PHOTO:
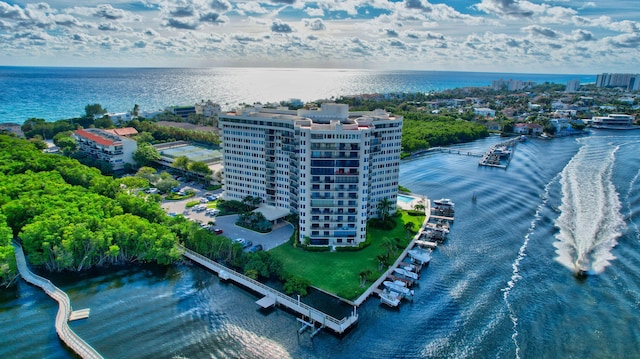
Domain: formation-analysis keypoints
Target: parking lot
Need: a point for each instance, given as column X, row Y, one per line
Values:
column 279, row 235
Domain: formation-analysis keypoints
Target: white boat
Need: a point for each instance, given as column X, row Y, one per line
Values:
column 390, row 298
column 410, row 267
column 398, row 287
column 406, row 273
column 420, row 255
column 444, row 202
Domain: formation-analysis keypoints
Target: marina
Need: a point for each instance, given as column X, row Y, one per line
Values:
column 394, row 286
column 499, row 155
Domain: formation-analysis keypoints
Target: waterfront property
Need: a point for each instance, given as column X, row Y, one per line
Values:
column 273, row 297
column 106, row 146
column 330, row 166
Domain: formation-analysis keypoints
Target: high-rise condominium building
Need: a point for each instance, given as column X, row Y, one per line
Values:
column 330, row 166
column 630, row 82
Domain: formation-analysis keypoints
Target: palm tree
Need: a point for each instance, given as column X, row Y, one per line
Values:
column 363, row 277
column 382, row 261
column 384, row 206
column 388, row 244
column 409, row 228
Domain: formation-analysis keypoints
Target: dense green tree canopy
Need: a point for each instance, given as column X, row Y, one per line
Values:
column 94, row 109
column 422, row 131
column 70, row 217
column 145, row 154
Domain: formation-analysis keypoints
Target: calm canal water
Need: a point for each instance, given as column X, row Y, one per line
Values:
column 501, row 286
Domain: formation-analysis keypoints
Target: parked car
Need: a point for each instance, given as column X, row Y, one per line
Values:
column 247, row 244
column 217, row 231
column 151, row 190
column 240, row 240
column 204, row 200
column 211, row 198
column 256, row 248
column 212, row 212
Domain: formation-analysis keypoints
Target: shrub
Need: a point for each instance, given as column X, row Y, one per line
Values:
column 191, row 204
column 296, row 284
column 387, row 224
column 316, row 248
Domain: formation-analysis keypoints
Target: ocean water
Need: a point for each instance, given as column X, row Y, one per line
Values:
column 60, row 93
column 501, row 286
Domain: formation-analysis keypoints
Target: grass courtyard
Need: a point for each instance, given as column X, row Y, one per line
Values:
column 339, row 272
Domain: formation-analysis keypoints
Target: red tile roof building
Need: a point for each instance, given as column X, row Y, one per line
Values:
column 106, row 146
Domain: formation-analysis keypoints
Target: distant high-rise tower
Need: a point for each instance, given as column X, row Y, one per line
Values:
column 630, row 82
column 573, row 85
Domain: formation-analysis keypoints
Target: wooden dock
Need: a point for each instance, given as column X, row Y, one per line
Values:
column 454, row 151
column 494, row 158
column 313, row 315
column 79, row 314
column 66, row 334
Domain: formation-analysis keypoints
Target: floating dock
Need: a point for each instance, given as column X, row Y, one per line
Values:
column 79, row 314
column 499, row 155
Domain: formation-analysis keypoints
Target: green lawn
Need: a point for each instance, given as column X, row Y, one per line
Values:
column 339, row 272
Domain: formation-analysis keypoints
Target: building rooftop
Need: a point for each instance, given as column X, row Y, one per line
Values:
column 99, row 136
column 125, row 131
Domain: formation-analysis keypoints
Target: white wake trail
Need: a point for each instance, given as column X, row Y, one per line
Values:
column 515, row 276
column 632, row 184
column 590, row 221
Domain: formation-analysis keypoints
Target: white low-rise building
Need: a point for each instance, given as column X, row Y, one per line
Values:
column 484, row 111
column 207, row 108
column 106, row 146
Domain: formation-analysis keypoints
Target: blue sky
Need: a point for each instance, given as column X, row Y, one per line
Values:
column 545, row 36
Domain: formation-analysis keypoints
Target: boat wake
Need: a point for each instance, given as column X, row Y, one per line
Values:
column 590, row 221
column 515, row 276
column 630, row 191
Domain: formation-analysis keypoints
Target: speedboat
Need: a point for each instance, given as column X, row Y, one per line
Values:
column 406, row 273
column 390, row 298
column 420, row 255
column 444, row 202
column 398, row 286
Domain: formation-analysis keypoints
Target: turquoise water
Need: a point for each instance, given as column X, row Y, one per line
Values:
column 405, row 199
column 60, row 93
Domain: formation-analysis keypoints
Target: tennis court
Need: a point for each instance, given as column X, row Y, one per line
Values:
column 193, row 153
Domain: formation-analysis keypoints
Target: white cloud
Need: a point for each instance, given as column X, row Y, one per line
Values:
column 490, row 35
column 314, row 24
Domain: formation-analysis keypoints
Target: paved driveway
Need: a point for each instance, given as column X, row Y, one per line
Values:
column 276, row 237
column 279, row 235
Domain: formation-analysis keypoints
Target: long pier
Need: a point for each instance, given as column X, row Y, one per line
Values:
column 452, row 151
column 65, row 333
column 274, row 297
